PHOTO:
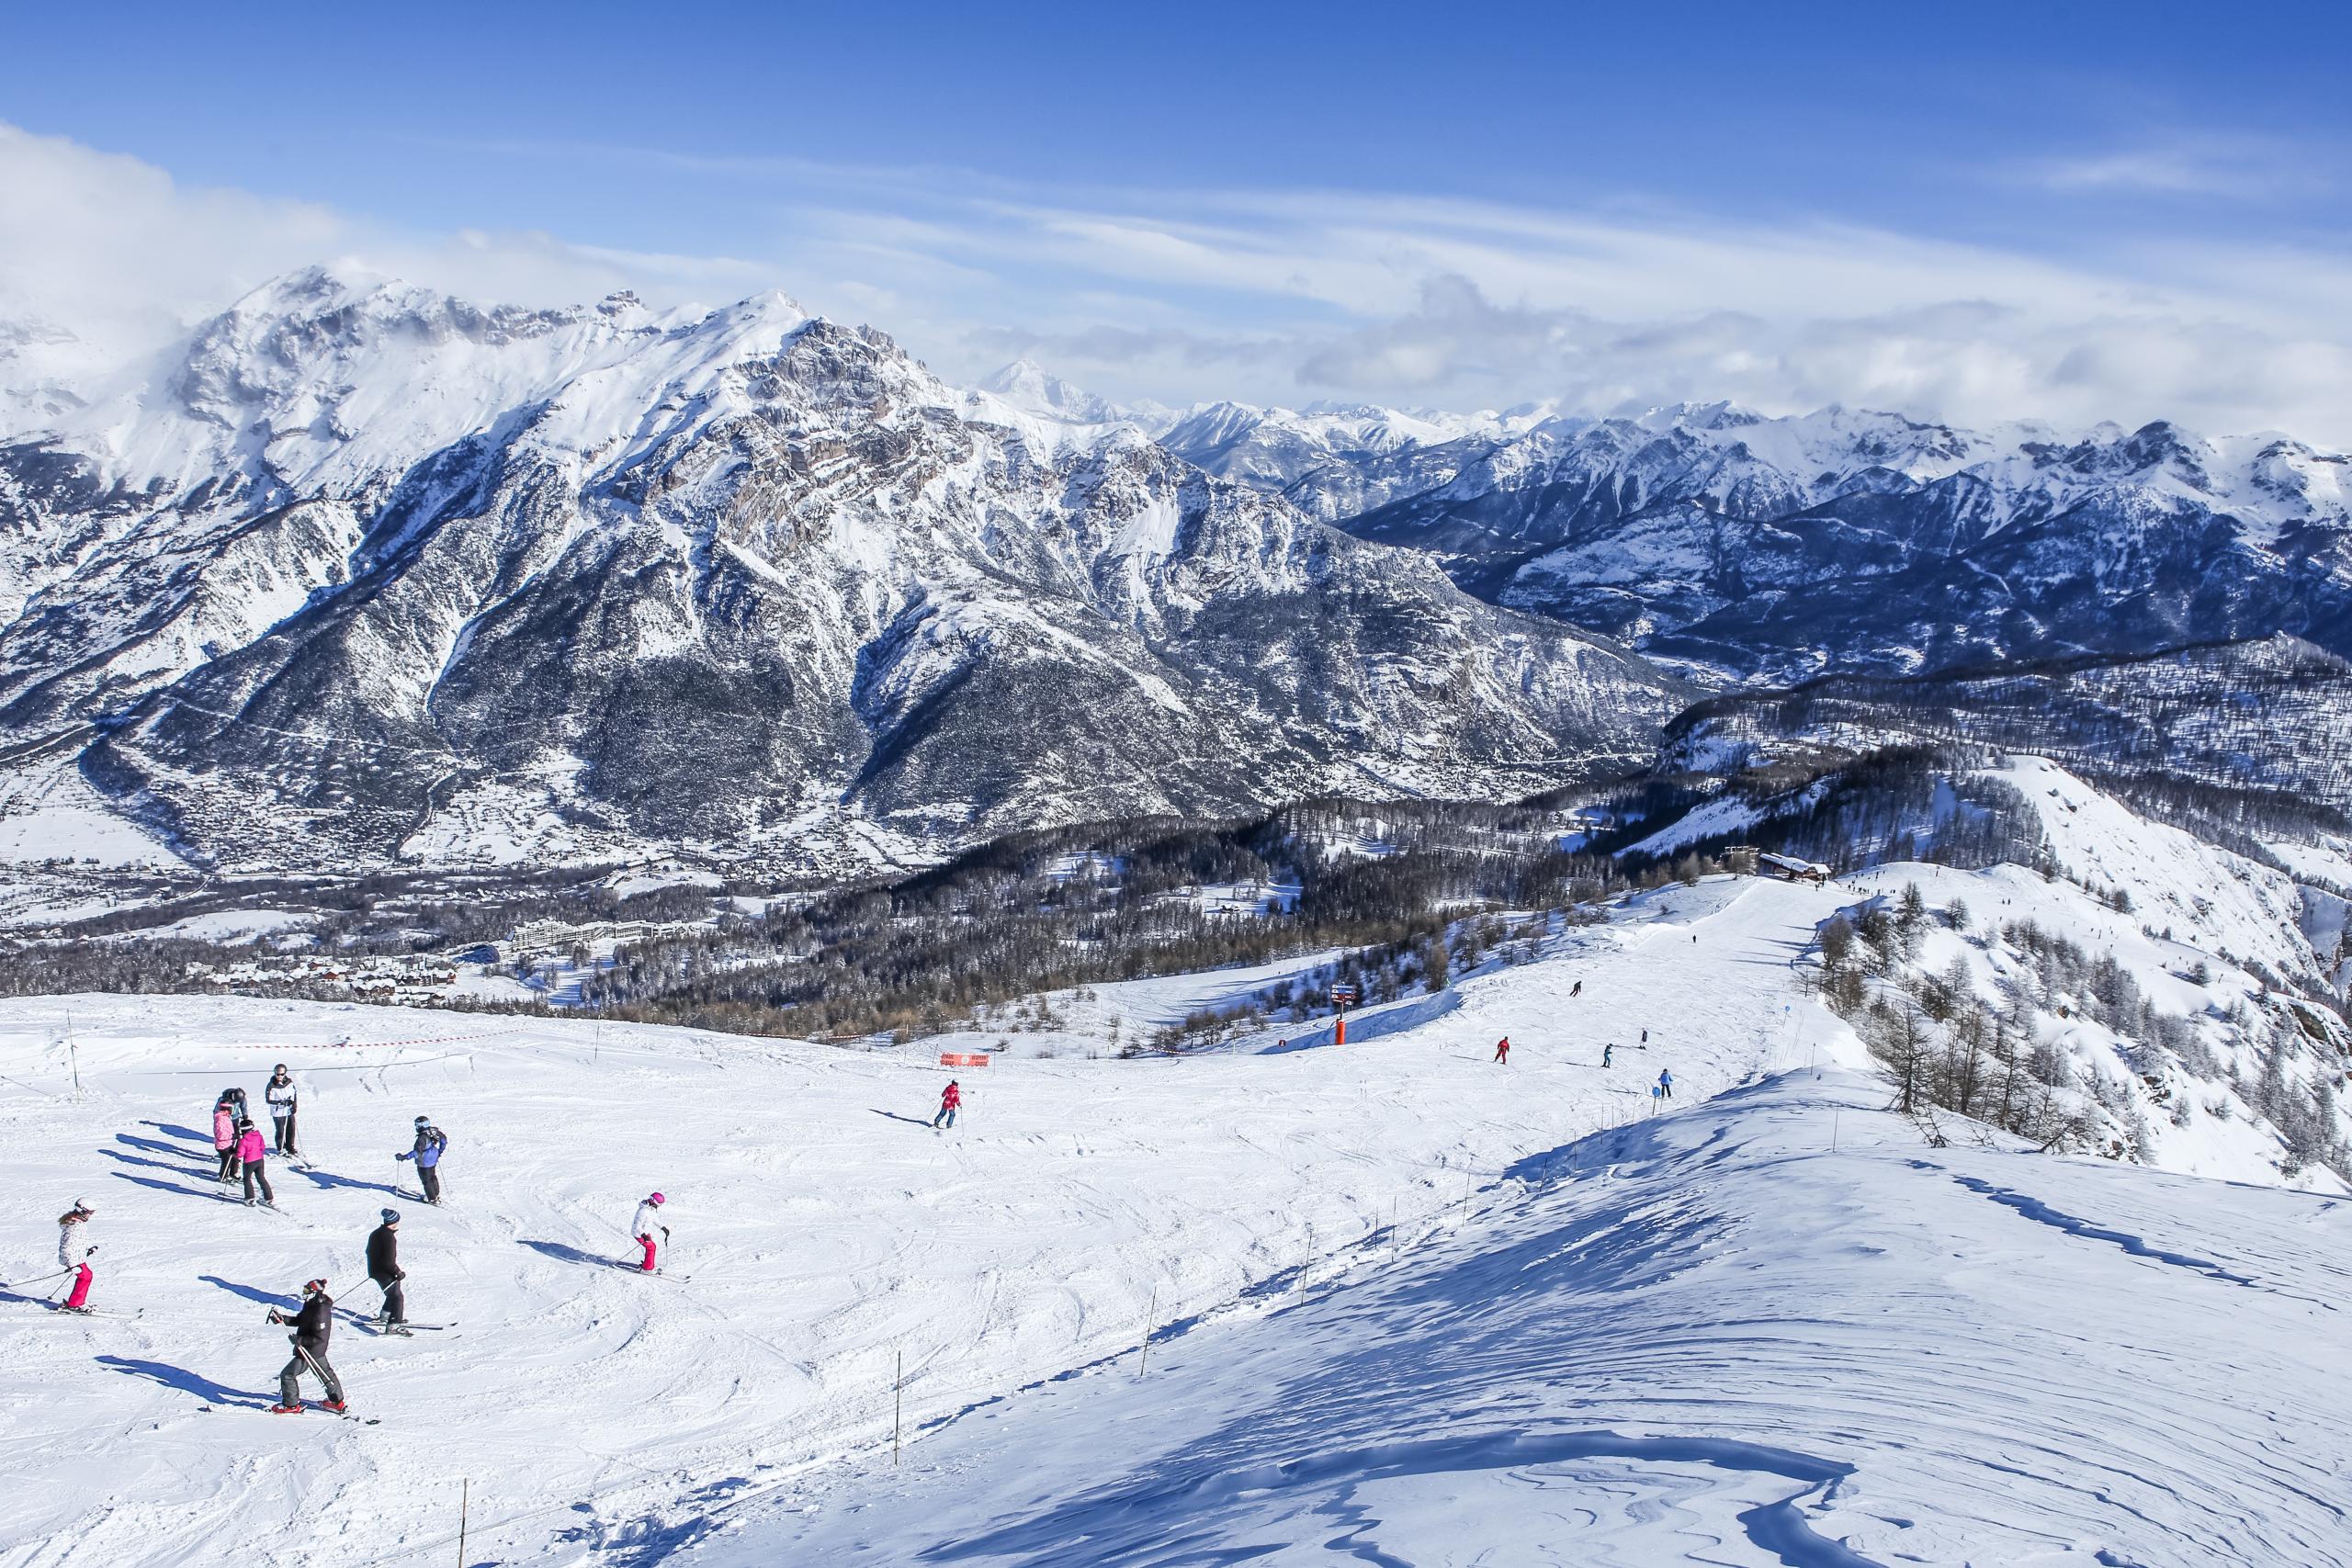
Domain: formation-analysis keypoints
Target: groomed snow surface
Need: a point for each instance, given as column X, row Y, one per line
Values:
column 1537, row 1325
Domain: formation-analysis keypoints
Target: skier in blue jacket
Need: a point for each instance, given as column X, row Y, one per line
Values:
column 430, row 1142
column 1666, row 1083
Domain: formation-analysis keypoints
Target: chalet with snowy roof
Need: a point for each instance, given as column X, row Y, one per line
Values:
column 1788, row 868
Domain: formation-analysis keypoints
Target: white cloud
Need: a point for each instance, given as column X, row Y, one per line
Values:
column 117, row 251
column 1284, row 295
column 2237, row 168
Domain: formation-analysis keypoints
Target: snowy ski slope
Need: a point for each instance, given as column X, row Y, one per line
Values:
column 1704, row 1339
column 1483, row 1277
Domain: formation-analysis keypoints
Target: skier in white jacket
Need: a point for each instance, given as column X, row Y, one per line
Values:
column 74, row 1249
column 647, row 1220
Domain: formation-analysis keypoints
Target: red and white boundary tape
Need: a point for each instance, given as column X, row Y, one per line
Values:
column 364, row 1044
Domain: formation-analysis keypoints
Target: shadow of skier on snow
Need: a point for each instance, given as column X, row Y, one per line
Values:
column 156, row 1147
column 909, row 1120
column 329, row 1180
column 565, row 1254
column 252, row 1294
column 199, row 1193
column 155, row 1163
column 23, row 1300
column 184, row 1380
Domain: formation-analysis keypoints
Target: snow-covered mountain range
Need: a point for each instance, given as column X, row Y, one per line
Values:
column 1751, row 548
column 362, row 571
column 359, row 571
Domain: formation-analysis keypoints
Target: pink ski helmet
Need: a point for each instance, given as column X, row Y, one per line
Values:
column 657, row 1198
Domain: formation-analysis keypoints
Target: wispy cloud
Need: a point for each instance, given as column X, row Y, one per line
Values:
column 2233, row 168
column 1288, row 295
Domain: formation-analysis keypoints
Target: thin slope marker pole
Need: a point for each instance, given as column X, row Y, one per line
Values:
column 73, row 1053
column 898, row 1406
column 1150, row 1313
column 1306, row 1259
column 465, row 1498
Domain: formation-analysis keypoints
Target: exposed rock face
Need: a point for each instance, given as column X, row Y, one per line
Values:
column 369, row 572
column 1779, row 549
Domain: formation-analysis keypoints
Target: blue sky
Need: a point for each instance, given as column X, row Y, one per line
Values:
column 2064, row 211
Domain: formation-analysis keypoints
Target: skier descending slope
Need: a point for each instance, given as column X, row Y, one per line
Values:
column 1666, row 1083
column 253, row 1152
column 74, row 1249
column 646, row 1221
column 1502, row 1050
column 384, row 1268
column 312, row 1324
column 430, row 1142
column 950, row 1098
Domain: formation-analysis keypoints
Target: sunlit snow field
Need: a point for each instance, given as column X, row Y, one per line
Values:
column 1535, row 1325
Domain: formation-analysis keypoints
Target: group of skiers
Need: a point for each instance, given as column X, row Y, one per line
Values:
column 243, row 1153
column 314, row 1322
column 1663, row 1090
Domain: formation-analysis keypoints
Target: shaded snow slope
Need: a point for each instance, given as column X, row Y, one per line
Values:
column 1770, row 1329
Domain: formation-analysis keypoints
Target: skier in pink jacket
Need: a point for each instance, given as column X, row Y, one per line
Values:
column 224, row 1140
column 254, row 1150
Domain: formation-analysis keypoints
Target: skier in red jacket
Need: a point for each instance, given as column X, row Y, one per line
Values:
column 949, row 1098
column 1502, row 1050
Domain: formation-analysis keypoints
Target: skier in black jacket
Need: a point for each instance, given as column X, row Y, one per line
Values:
column 312, row 1326
column 384, row 1268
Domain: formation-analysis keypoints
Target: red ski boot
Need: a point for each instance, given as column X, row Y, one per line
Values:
column 285, row 1410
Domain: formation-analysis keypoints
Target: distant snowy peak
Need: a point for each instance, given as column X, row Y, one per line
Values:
column 1029, row 386
column 324, row 380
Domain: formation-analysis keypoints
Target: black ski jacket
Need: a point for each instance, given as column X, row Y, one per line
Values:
column 383, row 1254
column 314, row 1322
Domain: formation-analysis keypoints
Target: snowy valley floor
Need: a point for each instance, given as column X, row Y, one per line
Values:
column 1535, row 1327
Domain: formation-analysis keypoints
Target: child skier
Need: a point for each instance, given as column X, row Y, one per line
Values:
column 280, row 1095
column 1502, row 1050
column 312, row 1326
column 430, row 1142
column 74, row 1249
column 384, row 1269
column 647, row 1220
column 253, row 1152
column 949, row 1098
column 224, row 1138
